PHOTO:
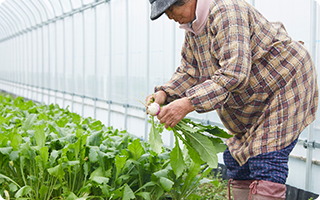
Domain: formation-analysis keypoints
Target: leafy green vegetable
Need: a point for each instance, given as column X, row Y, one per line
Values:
column 155, row 140
column 47, row 152
column 177, row 161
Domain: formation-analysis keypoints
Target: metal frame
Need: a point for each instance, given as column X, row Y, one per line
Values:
column 14, row 26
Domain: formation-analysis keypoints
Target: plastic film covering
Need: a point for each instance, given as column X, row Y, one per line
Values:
column 100, row 56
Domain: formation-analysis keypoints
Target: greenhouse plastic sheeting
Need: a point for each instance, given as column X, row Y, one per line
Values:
column 101, row 58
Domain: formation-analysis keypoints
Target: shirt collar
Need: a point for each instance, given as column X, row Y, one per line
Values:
column 202, row 12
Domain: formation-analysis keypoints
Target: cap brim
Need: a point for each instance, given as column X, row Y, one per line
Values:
column 158, row 7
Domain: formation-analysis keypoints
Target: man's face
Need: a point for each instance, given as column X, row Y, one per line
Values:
column 182, row 14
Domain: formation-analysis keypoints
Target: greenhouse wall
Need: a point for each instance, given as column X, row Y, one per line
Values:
column 101, row 58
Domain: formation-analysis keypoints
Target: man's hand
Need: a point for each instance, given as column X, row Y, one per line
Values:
column 158, row 97
column 175, row 111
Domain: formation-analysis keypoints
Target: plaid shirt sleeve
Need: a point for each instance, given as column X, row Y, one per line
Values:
column 231, row 46
column 185, row 77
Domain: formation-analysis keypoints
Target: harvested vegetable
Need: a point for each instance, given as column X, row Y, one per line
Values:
column 202, row 142
column 153, row 109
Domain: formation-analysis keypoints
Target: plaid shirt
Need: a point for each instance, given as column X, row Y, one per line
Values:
column 261, row 82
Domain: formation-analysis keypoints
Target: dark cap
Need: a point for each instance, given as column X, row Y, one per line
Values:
column 158, row 7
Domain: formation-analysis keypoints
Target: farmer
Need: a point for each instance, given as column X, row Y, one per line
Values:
column 261, row 83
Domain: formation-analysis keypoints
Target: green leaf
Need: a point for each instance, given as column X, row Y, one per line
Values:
column 28, row 123
column 100, row 179
column 120, row 162
column 93, row 154
column 13, row 187
column 136, row 149
column 43, row 190
column 166, row 183
column 204, row 147
column 99, row 176
column 76, row 118
column 192, row 172
column 40, row 135
column 72, row 196
column 144, row 195
column 213, row 130
column 9, row 179
column 44, row 154
column 188, row 148
column 95, row 138
column 86, row 169
column 53, row 156
column 194, row 197
column 128, row 193
column 161, row 173
column 15, row 139
column 155, row 139
column 5, row 150
column 1, row 193
column 23, row 191
column 14, row 155
column 148, row 184
column 218, row 145
column 176, row 159
column 216, row 131
column 56, row 171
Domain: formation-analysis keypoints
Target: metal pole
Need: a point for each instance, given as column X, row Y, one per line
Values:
column 49, row 55
column 56, row 64
column 15, row 64
column 313, row 16
column 127, row 67
column 73, row 72
column 95, row 62
column 84, row 63
column 146, row 123
column 64, row 61
column 49, row 63
column 37, row 61
column 41, row 19
column 42, row 81
column 32, row 77
column 43, row 75
column 64, row 56
column 110, row 68
column 174, row 67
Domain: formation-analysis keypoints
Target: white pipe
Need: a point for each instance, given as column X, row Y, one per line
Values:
column 73, row 72
column 127, row 65
column 95, row 62
column 84, row 62
column 146, row 122
column 110, row 68
column 313, row 18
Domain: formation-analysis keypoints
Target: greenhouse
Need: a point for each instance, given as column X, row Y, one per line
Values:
column 94, row 63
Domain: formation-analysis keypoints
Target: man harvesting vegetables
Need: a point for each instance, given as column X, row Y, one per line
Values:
column 261, row 83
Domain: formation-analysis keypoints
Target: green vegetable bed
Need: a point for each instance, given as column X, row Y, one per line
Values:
column 47, row 152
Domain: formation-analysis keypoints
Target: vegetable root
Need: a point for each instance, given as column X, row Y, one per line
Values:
column 153, row 109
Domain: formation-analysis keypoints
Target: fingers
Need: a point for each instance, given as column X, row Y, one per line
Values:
column 169, row 117
column 158, row 97
column 149, row 99
column 174, row 112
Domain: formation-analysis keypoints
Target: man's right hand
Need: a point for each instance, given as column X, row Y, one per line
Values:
column 158, row 97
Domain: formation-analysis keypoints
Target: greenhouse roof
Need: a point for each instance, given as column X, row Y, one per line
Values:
column 18, row 16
